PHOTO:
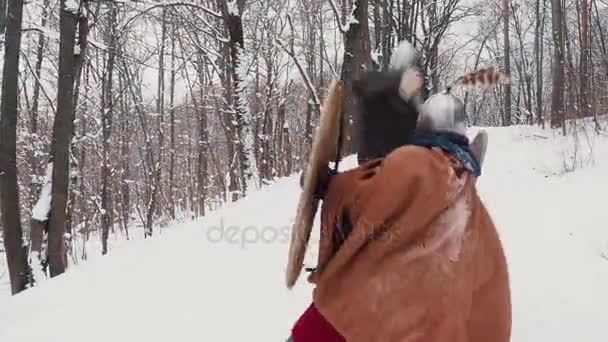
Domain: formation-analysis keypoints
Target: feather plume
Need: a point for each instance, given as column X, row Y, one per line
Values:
column 482, row 78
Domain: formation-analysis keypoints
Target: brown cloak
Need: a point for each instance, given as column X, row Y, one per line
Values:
column 423, row 261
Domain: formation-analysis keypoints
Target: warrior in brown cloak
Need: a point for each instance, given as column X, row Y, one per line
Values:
column 408, row 251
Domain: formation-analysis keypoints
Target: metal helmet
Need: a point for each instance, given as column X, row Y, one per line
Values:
column 443, row 112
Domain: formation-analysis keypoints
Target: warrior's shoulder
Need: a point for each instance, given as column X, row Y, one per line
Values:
column 403, row 164
column 414, row 159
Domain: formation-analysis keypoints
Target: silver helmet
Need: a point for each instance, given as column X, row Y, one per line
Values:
column 442, row 112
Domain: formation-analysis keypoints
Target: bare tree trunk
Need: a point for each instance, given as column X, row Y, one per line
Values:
column 321, row 51
column 226, row 119
column 63, row 130
column 125, row 192
column 572, row 98
column 203, row 156
column 557, row 92
column 585, row 58
column 267, row 173
column 106, row 120
column 202, row 138
column 33, row 160
column 594, row 80
column 160, row 107
column 79, row 57
column 124, row 130
column 357, row 60
column 16, row 252
column 243, row 144
column 37, row 228
column 147, row 158
column 310, row 105
column 172, row 134
column 387, row 29
column 538, row 54
column 82, row 160
column 601, row 38
column 266, row 164
column 279, row 141
column 523, row 67
column 285, row 152
column 3, row 13
column 507, row 51
column 256, row 106
column 377, row 4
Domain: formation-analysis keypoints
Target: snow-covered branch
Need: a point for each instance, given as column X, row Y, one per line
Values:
column 337, row 15
column 350, row 20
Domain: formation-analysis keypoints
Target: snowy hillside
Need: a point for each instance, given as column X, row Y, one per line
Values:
column 221, row 278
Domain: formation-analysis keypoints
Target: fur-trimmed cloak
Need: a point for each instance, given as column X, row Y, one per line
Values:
column 408, row 252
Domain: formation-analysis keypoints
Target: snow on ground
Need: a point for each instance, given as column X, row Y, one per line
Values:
column 221, row 278
column 555, row 229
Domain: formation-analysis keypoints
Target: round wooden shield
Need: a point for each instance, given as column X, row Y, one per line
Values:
column 324, row 150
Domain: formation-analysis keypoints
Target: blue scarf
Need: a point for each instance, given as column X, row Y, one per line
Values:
column 455, row 144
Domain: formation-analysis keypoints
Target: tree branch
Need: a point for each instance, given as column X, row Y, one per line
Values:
column 292, row 54
column 337, row 14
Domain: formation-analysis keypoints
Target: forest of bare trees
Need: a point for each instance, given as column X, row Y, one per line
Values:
column 118, row 117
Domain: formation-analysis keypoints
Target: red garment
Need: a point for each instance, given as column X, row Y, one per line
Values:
column 312, row 327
